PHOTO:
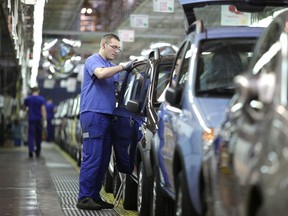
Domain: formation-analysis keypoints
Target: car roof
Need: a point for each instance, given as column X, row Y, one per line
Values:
column 234, row 31
column 226, row 34
column 224, row 31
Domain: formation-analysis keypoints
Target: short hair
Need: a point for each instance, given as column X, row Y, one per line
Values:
column 34, row 89
column 107, row 37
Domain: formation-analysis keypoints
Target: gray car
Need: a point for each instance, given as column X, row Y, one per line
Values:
column 251, row 146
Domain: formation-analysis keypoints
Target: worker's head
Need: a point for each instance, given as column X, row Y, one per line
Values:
column 34, row 90
column 110, row 46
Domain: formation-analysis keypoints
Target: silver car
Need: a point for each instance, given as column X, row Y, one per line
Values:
column 251, row 146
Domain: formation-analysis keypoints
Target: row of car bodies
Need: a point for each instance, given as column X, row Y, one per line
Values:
column 179, row 101
column 68, row 133
column 171, row 159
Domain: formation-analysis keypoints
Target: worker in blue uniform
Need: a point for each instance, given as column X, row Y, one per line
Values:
column 50, row 109
column 35, row 105
column 97, row 104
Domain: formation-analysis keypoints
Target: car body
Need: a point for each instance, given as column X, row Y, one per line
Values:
column 68, row 133
column 139, row 99
column 195, row 105
column 251, row 145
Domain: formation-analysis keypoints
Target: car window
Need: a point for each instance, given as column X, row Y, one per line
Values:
column 227, row 15
column 219, row 61
column 162, row 81
column 180, row 70
column 183, row 71
column 137, row 84
column 268, row 61
column 266, row 48
column 220, row 68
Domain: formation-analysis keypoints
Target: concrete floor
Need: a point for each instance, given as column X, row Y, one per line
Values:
column 42, row 186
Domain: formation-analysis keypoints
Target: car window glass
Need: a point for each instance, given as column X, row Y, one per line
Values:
column 162, row 80
column 64, row 110
column 266, row 60
column 137, row 84
column 264, row 44
column 219, row 61
column 183, row 71
column 180, row 70
column 268, row 63
column 221, row 66
column 218, row 12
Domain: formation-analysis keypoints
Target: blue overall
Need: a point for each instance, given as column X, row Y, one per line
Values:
column 97, row 103
column 96, row 153
column 50, row 107
column 35, row 136
column 34, row 104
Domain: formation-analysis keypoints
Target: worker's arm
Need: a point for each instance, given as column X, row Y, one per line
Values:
column 44, row 115
column 102, row 73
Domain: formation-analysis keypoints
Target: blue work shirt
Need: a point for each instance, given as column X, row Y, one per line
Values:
column 98, row 95
column 34, row 103
column 50, row 108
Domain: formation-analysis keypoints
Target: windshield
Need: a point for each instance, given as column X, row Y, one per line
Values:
column 229, row 15
column 219, row 62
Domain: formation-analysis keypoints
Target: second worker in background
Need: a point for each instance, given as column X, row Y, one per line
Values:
column 35, row 104
column 50, row 110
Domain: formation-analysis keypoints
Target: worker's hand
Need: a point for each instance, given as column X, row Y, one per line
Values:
column 128, row 65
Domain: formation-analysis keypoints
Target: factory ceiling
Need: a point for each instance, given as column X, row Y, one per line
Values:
column 62, row 19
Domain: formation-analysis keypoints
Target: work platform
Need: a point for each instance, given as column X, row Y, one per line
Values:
column 46, row 186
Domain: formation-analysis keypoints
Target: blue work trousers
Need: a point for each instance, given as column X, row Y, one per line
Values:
column 96, row 131
column 34, row 136
column 50, row 131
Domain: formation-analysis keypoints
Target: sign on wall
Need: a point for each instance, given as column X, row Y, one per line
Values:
column 49, row 83
column 139, row 21
column 126, row 35
column 166, row 6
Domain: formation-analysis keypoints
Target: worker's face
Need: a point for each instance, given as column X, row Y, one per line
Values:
column 112, row 49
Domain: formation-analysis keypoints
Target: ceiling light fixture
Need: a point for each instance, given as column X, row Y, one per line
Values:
column 29, row 2
column 87, row 8
column 37, row 36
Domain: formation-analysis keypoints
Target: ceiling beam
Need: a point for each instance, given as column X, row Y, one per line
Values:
column 94, row 35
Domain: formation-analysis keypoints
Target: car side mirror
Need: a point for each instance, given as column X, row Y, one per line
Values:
column 173, row 95
column 133, row 106
column 255, row 92
column 247, row 86
column 261, row 86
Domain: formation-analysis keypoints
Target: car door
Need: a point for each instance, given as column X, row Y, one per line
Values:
column 161, row 76
column 170, row 115
column 129, row 116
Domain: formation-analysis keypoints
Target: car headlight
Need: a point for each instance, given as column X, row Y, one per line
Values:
column 207, row 138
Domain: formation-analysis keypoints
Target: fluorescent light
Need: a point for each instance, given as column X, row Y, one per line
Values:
column 37, row 36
